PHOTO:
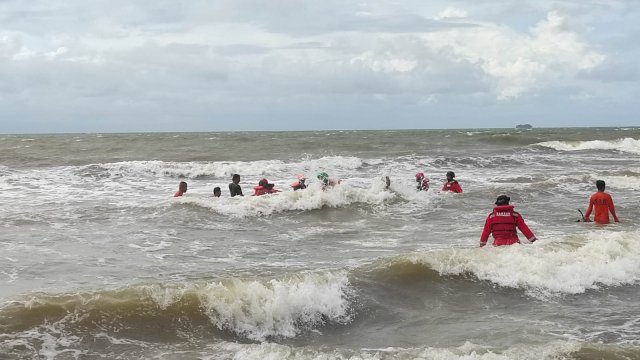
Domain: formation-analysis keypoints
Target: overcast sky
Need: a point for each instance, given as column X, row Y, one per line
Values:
column 166, row 65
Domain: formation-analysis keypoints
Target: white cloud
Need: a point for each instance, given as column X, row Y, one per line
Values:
column 520, row 62
column 377, row 64
column 451, row 13
column 200, row 56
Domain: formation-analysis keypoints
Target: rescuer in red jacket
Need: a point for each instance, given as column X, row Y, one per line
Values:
column 502, row 224
column 451, row 184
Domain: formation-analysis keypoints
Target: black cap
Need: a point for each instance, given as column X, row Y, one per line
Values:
column 503, row 200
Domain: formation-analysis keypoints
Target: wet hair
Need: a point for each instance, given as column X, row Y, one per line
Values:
column 451, row 173
column 503, row 200
column 600, row 185
column 217, row 190
column 235, row 176
column 182, row 185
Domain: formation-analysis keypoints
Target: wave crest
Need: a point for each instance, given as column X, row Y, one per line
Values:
column 546, row 268
column 221, row 169
column 254, row 310
column 629, row 145
column 278, row 308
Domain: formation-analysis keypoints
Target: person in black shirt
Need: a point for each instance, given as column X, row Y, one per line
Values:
column 234, row 187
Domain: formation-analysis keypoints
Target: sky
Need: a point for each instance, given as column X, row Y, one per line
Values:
column 253, row 65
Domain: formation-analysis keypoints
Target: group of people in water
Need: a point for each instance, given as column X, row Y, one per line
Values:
column 502, row 223
column 451, row 184
column 264, row 186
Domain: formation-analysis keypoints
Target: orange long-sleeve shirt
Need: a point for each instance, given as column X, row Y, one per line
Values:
column 603, row 204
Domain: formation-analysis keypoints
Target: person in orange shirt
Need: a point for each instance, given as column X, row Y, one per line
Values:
column 264, row 187
column 603, row 204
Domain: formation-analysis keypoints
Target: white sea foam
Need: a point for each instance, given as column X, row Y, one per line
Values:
column 53, row 341
column 189, row 169
column 224, row 169
column 311, row 198
column 546, row 268
column 468, row 351
column 149, row 246
column 625, row 145
column 165, row 296
column 282, row 307
column 624, row 182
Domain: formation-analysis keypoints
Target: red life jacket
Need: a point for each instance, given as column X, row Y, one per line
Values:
column 298, row 185
column 263, row 190
column 502, row 224
column 452, row 186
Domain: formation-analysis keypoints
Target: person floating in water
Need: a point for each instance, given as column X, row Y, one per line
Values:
column 182, row 188
column 502, row 224
column 264, row 187
column 603, row 204
column 451, row 184
column 326, row 180
column 216, row 191
column 234, row 186
column 387, row 182
column 423, row 182
column 300, row 184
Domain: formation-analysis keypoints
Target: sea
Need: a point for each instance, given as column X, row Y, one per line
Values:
column 99, row 260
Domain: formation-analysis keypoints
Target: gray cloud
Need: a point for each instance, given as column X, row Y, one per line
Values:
column 131, row 66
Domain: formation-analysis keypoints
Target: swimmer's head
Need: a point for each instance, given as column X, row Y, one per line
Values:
column 324, row 177
column 503, row 200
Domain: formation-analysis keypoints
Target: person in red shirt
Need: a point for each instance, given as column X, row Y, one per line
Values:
column 300, row 184
column 182, row 188
column 603, row 204
column 502, row 224
column 451, row 184
column 264, row 187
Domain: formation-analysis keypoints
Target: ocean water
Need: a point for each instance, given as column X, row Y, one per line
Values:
column 98, row 260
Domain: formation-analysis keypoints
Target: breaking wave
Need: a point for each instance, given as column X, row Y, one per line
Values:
column 545, row 268
column 246, row 309
column 629, row 145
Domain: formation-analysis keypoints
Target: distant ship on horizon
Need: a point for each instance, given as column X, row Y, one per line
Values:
column 524, row 126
